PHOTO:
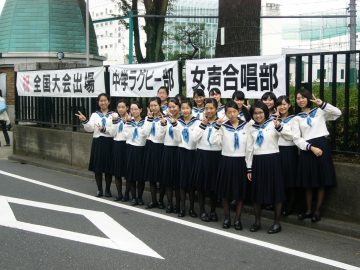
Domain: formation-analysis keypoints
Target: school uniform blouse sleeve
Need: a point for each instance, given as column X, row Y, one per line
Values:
column 299, row 141
column 216, row 139
column 331, row 113
column 177, row 131
column 198, row 132
column 285, row 132
column 113, row 127
column 89, row 125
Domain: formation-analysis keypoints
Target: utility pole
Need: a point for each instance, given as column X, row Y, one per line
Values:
column 352, row 26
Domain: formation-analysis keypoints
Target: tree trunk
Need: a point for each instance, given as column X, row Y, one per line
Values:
column 241, row 19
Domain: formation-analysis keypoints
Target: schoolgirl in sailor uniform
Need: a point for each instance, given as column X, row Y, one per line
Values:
column 119, row 149
column 163, row 94
column 170, row 158
column 199, row 106
column 316, row 169
column 231, row 179
column 216, row 94
column 135, row 138
column 289, row 153
column 269, row 99
column 154, row 150
column 239, row 98
column 207, row 161
column 264, row 164
column 184, row 131
column 101, row 149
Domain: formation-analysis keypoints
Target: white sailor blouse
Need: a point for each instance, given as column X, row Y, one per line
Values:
column 288, row 121
column 169, row 138
column 117, row 129
column 231, row 140
column 154, row 129
column 221, row 111
column 203, row 137
column 313, row 125
column 198, row 113
column 135, row 133
column 263, row 139
column 99, row 119
column 185, row 132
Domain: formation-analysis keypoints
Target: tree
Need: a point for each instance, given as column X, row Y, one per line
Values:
column 241, row 20
column 154, row 27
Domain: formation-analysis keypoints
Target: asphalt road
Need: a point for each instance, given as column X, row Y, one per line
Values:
column 51, row 220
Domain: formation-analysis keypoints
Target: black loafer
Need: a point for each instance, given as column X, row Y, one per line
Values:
column 108, row 194
column 169, row 209
column 192, row 213
column 275, row 228
column 152, row 205
column 204, row 217
column 226, row 223
column 118, row 198
column 176, row 210
column 125, row 199
column 213, row 217
column 303, row 216
column 140, row 202
column 255, row 227
column 161, row 205
column 99, row 194
column 181, row 213
column 237, row 225
column 315, row 218
column 134, row 202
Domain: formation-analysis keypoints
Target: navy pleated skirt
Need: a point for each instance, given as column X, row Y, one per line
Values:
column 119, row 158
column 152, row 161
column 135, row 163
column 186, row 165
column 170, row 167
column 289, row 156
column 232, row 178
column 316, row 172
column 101, row 155
column 206, row 169
column 267, row 185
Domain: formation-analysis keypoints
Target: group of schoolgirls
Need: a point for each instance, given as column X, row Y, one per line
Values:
column 231, row 152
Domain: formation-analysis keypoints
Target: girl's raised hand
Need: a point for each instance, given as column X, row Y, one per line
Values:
column 204, row 120
column 114, row 116
column 162, row 119
column 316, row 101
column 82, row 117
column 276, row 123
column 221, row 120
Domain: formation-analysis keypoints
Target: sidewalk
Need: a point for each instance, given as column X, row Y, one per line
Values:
column 327, row 225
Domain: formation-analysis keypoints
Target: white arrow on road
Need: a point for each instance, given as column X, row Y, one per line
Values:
column 118, row 237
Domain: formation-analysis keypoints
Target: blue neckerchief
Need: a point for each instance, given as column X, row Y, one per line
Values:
column 273, row 116
column 153, row 129
column 210, row 130
column 164, row 107
column 222, row 107
column 103, row 117
column 230, row 128
column 136, row 125
column 308, row 117
column 260, row 136
column 185, row 132
column 287, row 119
column 120, row 126
column 198, row 111
column 171, row 132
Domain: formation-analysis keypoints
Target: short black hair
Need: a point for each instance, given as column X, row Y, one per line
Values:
column 287, row 100
column 187, row 101
column 103, row 95
column 262, row 106
column 176, row 101
column 122, row 100
column 215, row 90
column 231, row 104
column 306, row 94
column 212, row 101
column 270, row 95
column 239, row 95
column 199, row 92
column 165, row 88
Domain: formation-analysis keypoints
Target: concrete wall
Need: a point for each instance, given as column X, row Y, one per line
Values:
column 73, row 148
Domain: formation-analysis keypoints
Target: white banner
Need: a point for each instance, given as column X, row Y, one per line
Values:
column 253, row 75
column 82, row 82
column 143, row 80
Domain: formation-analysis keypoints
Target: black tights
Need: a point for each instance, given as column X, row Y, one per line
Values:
column 239, row 206
column 169, row 196
column 108, row 179
column 140, row 189
column 201, row 198
column 277, row 213
column 319, row 201
column 118, row 183
column 153, row 192
column 183, row 198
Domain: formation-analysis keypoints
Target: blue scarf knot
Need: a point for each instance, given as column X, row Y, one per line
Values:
column 185, row 134
column 120, row 127
column 135, row 134
column 308, row 117
column 236, row 141
column 209, row 136
column 260, row 138
column 153, row 130
column 171, row 132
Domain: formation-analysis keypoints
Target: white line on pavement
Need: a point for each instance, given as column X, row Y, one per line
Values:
column 249, row 240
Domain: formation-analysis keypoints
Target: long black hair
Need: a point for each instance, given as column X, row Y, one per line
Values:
column 306, row 94
column 287, row 100
column 239, row 95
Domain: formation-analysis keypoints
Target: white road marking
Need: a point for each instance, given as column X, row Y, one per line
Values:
column 249, row 240
column 118, row 237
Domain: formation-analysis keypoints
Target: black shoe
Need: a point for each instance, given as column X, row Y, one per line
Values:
column 204, row 217
column 238, row 226
column 226, row 223
column 169, row 209
column 161, row 205
column 213, row 217
column 315, row 218
column 99, row 194
column 275, row 228
column 176, row 210
column 7, row 144
column 134, row 202
column 118, row 198
column 192, row 213
column 108, row 194
column 140, row 201
column 269, row 207
column 255, row 227
column 125, row 199
column 181, row 213
column 303, row 216
column 152, row 205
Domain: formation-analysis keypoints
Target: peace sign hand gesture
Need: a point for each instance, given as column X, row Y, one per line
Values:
column 82, row 117
column 114, row 116
column 316, row 101
column 276, row 123
column 247, row 105
column 149, row 113
column 221, row 120
column 205, row 120
column 162, row 119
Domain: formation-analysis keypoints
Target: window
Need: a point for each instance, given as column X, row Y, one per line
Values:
column 318, row 74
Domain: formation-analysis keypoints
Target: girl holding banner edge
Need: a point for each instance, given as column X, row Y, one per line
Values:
column 101, row 149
